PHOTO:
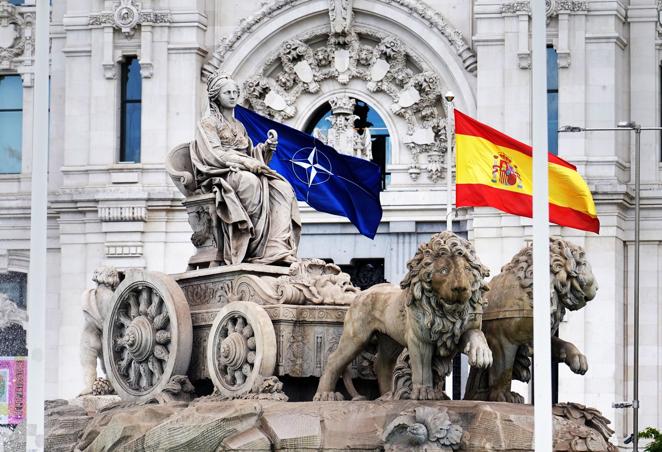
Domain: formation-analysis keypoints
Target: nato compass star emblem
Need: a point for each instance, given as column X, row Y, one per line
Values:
column 311, row 166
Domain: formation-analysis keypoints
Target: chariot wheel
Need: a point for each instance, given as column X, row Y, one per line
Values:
column 241, row 347
column 147, row 335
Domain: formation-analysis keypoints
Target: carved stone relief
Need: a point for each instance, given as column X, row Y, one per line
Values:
column 16, row 42
column 380, row 61
column 126, row 16
column 342, row 135
column 344, row 52
column 559, row 9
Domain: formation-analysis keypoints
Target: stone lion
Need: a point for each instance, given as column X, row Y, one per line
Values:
column 508, row 319
column 435, row 313
column 96, row 306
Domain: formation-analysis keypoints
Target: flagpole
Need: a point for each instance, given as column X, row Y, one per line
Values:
column 37, row 298
column 450, row 155
column 543, row 438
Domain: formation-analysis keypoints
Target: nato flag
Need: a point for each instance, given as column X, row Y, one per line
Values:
column 322, row 177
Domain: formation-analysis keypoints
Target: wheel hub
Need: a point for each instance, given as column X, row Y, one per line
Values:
column 233, row 351
column 140, row 338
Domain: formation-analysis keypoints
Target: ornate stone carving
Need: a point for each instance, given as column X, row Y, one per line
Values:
column 15, row 35
column 589, row 417
column 417, row 7
column 122, row 213
column 10, row 313
column 342, row 135
column 340, row 14
column 423, row 428
column 96, row 303
column 552, row 7
column 659, row 17
column 385, row 66
column 126, row 17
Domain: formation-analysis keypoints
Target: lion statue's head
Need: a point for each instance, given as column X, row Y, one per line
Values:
column 571, row 277
column 446, row 280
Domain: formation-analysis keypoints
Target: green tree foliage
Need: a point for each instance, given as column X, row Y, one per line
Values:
column 656, row 436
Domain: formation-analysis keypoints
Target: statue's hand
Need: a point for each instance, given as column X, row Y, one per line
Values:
column 253, row 166
column 272, row 140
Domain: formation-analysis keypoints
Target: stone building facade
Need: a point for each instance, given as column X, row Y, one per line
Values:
column 118, row 66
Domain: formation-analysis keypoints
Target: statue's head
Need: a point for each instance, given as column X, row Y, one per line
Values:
column 107, row 276
column 446, row 272
column 222, row 90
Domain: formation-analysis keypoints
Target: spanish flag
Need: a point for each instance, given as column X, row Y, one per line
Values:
column 496, row 170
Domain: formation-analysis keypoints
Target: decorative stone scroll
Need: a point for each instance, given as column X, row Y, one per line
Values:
column 423, row 428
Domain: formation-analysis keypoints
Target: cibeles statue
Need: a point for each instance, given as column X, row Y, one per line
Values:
column 250, row 212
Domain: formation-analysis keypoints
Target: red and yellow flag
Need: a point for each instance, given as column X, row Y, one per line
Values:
column 496, row 170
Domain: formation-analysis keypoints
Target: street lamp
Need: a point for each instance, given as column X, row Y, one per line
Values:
column 629, row 126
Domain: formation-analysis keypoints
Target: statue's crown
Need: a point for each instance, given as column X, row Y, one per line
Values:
column 342, row 104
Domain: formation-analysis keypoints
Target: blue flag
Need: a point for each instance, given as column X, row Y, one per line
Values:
column 322, row 177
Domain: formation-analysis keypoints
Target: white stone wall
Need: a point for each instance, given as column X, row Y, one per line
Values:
column 128, row 215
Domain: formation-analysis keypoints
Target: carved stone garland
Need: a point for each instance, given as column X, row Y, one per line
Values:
column 383, row 63
column 16, row 44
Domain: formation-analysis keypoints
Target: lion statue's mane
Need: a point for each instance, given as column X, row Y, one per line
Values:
column 445, row 322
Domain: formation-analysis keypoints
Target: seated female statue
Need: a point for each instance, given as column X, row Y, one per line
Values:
column 257, row 207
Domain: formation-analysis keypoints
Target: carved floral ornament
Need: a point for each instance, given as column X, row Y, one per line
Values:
column 552, row 7
column 380, row 60
column 15, row 34
column 127, row 15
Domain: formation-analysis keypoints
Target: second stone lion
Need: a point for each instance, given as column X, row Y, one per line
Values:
column 435, row 313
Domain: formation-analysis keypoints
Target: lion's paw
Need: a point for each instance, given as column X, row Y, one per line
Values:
column 506, row 396
column 420, row 392
column 328, row 397
column 575, row 359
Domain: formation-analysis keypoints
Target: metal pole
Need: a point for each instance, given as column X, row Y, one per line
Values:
column 637, row 217
column 543, row 439
column 38, row 237
column 450, row 155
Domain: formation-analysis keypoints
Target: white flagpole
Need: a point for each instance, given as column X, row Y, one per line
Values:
column 37, row 298
column 541, row 310
column 450, row 156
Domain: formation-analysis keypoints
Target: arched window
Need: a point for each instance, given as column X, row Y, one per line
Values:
column 369, row 119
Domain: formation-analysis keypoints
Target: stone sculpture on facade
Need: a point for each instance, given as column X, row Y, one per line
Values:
column 253, row 215
column 342, row 135
column 435, row 313
column 96, row 306
column 508, row 319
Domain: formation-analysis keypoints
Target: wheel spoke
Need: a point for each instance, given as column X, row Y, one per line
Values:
column 155, row 367
column 161, row 320
column 247, row 331
column 123, row 318
column 246, row 369
column 161, row 352
column 124, row 364
column 230, row 326
column 144, row 298
column 250, row 357
column 132, row 300
column 145, row 376
column 251, row 343
column 156, row 306
column 239, row 377
column 134, row 375
column 241, row 323
column 162, row 337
